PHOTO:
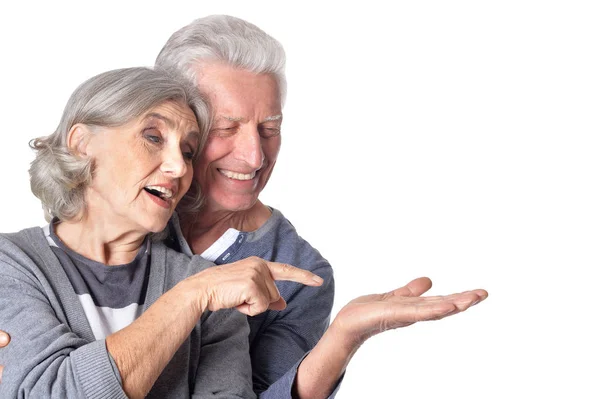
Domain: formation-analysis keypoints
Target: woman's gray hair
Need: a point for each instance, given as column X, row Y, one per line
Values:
column 226, row 39
column 59, row 178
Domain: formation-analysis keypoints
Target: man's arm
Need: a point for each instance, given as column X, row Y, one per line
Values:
column 285, row 337
column 298, row 329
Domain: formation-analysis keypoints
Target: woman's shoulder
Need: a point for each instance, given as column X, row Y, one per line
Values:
column 21, row 254
column 24, row 239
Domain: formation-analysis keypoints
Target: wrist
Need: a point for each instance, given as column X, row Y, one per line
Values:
column 322, row 368
column 193, row 295
column 346, row 340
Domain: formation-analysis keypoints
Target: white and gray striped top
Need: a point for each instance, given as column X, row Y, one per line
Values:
column 112, row 296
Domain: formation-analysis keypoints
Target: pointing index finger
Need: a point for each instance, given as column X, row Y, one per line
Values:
column 283, row 271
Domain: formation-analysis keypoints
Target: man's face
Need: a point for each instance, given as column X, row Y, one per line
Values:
column 244, row 140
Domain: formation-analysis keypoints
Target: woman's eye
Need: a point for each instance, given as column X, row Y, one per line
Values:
column 153, row 136
column 189, row 155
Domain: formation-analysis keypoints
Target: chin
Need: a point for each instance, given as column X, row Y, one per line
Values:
column 237, row 204
column 155, row 226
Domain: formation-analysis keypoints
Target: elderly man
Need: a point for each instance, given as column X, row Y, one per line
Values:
column 294, row 351
column 240, row 69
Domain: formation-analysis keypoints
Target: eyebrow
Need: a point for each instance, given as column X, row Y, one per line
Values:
column 272, row 118
column 232, row 119
column 239, row 118
column 169, row 122
column 163, row 118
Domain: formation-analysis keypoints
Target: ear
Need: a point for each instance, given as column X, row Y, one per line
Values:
column 78, row 140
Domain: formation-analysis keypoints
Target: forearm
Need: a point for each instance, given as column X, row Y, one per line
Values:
column 142, row 350
column 321, row 369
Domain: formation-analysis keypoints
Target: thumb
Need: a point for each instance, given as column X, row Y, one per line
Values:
column 415, row 288
column 278, row 304
column 4, row 339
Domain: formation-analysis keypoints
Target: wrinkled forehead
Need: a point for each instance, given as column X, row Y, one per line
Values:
column 221, row 83
column 176, row 116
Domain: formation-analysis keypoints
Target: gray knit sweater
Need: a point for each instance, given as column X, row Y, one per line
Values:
column 53, row 353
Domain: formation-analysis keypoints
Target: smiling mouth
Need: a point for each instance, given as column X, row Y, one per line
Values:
column 237, row 176
column 163, row 193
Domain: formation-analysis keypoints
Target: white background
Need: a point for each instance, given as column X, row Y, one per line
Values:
column 457, row 140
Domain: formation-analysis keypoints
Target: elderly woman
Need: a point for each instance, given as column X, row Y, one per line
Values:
column 96, row 308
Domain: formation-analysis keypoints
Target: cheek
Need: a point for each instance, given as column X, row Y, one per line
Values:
column 215, row 149
column 271, row 149
column 106, row 170
column 200, row 170
column 186, row 182
column 123, row 158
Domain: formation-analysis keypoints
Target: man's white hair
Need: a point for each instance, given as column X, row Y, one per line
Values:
column 226, row 39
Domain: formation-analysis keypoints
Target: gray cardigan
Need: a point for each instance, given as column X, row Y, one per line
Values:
column 53, row 352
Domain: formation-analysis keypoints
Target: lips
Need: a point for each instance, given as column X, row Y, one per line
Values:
column 163, row 193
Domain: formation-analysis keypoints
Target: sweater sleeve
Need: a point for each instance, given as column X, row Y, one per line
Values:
column 45, row 358
column 282, row 388
column 224, row 369
column 282, row 344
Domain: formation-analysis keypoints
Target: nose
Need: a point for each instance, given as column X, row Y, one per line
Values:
column 174, row 164
column 248, row 147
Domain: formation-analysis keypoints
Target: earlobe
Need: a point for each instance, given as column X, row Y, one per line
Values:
column 78, row 140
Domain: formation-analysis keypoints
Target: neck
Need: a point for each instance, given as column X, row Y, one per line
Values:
column 101, row 239
column 202, row 229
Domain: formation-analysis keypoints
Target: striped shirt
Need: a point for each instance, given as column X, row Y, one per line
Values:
column 112, row 297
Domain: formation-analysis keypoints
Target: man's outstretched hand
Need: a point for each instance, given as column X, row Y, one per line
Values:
column 369, row 315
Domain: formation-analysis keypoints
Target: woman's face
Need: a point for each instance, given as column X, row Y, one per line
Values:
column 143, row 168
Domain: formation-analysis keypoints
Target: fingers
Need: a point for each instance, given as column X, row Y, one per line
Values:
column 269, row 297
column 477, row 295
column 417, row 287
column 433, row 308
column 482, row 294
column 1, row 370
column 282, row 271
column 273, row 294
column 254, row 308
column 4, row 339
column 278, row 305
column 262, row 294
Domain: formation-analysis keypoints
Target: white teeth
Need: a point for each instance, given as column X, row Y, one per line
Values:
column 238, row 176
column 167, row 193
